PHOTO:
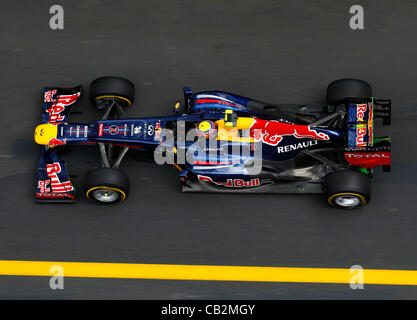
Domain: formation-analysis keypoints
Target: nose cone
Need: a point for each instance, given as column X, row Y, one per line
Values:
column 45, row 133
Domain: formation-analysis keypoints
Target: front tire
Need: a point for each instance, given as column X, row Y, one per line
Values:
column 112, row 88
column 348, row 189
column 106, row 185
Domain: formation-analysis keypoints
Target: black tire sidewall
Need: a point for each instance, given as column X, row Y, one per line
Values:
column 347, row 182
column 107, row 177
column 347, row 88
column 111, row 85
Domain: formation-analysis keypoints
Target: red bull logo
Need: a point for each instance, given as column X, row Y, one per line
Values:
column 360, row 135
column 272, row 132
column 360, row 111
column 59, row 105
column 52, row 171
column 232, row 183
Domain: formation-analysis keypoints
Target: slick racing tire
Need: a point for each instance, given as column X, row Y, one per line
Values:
column 347, row 88
column 106, row 185
column 105, row 88
column 347, row 189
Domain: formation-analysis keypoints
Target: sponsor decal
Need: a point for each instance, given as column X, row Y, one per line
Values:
column 363, row 155
column 100, row 130
column 232, row 183
column 272, row 132
column 360, row 111
column 360, row 135
column 57, row 186
column 296, row 146
column 49, row 96
column 150, row 130
column 57, row 142
column 368, row 159
column 59, row 106
column 54, row 195
column 145, row 127
column 137, row 130
column 43, row 186
column 157, row 130
column 113, row 129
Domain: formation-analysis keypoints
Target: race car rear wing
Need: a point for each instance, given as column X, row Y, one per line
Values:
column 362, row 149
column 53, row 183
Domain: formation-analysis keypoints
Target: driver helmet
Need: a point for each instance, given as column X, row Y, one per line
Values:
column 206, row 128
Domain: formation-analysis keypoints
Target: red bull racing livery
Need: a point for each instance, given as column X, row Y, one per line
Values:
column 221, row 142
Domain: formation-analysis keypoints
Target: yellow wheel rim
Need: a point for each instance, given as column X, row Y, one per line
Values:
column 115, row 97
column 361, row 197
column 121, row 192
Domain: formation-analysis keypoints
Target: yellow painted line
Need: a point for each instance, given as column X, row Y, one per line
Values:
column 203, row 272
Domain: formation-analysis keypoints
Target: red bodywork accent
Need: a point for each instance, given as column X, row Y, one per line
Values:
column 212, row 162
column 56, row 142
column 368, row 159
column 214, row 101
column 54, row 195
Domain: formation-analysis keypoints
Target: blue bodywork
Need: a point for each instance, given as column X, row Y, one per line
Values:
column 216, row 169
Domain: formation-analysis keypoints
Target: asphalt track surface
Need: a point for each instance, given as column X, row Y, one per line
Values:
column 277, row 51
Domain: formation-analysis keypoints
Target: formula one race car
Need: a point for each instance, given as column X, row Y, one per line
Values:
column 237, row 144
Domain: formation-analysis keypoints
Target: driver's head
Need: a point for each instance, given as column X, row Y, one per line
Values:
column 206, row 128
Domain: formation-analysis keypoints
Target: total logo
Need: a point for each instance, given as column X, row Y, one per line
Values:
column 368, row 155
column 232, row 183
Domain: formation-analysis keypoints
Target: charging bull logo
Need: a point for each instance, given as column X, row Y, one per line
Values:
column 59, row 105
column 272, row 132
column 57, row 142
column 52, row 171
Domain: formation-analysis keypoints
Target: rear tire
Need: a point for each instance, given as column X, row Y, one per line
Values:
column 106, row 185
column 109, row 88
column 347, row 189
column 347, row 88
